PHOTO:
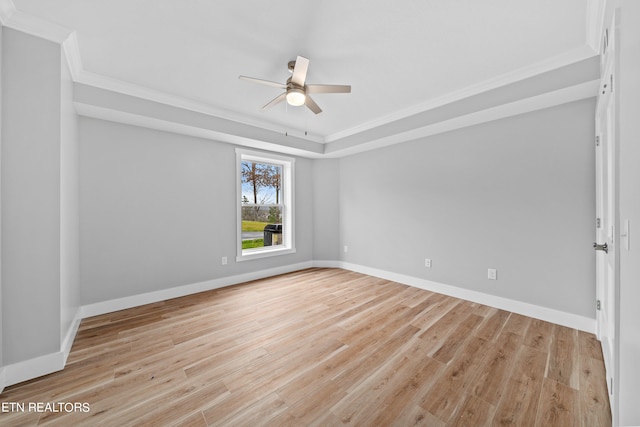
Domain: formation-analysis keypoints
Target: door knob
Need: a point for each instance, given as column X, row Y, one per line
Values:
column 598, row 247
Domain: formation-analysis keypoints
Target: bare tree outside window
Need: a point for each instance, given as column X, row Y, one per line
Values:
column 261, row 202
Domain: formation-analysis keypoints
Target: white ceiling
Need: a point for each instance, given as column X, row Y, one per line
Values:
column 401, row 57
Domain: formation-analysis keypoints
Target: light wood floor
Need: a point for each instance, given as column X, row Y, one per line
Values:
column 323, row 347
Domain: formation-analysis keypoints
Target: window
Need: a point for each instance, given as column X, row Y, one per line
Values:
column 265, row 205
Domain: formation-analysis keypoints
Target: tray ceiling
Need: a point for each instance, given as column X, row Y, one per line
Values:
column 402, row 58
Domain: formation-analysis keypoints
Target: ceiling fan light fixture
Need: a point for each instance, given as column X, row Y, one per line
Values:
column 296, row 97
column 296, row 88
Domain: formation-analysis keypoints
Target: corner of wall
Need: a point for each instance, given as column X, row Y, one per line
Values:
column 530, row 310
column 42, row 365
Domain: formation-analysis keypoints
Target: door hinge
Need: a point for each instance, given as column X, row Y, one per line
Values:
column 598, row 305
column 598, row 223
column 611, row 389
column 598, row 141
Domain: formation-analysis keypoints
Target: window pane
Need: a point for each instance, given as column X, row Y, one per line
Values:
column 261, row 226
column 261, row 183
column 265, row 208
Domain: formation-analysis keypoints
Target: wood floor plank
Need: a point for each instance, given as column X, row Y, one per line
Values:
column 170, row 408
column 497, row 369
column 257, row 414
column 352, row 377
column 559, row 406
column 472, row 412
column 539, row 335
column 447, row 393
column 321, row 347
column 594, row 400
column 517, row 324
column 493, row 324
column 452, row 342
column 416, row 416
column 563, row 357
column 414, row 377
column 194, row 420
column 306, row 408
column 589, row 345
column 519, row 404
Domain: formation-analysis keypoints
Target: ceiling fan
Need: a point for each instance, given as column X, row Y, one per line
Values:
column 296, row 90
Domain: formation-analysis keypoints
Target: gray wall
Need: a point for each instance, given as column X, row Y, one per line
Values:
column 30, row 196
column 326, row 213
column 515, row 194
column 158, row 210
column 1, row 316
column 69, row 205
column 629, row 139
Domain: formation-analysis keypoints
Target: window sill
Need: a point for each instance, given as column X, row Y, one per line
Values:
column 264, row 253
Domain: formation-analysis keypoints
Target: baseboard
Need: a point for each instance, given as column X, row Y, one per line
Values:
column 33, row 368
column 29, row 369
column 570, row 320
column 110, row 306
column 42, row 365
column 67, row 343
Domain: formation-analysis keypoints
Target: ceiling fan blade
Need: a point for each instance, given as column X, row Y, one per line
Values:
column 300, row 71
column 263, row 82
column 312, row 105
column 328, row 89
column 275, row 101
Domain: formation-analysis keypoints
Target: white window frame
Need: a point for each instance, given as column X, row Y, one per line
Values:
column 288, row 211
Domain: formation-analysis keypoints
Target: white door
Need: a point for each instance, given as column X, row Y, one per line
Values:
column 606, row 211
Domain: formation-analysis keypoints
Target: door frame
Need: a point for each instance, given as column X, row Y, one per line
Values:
column 607, row 182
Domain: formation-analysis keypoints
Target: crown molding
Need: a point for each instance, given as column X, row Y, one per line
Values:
column 12, row 18
column 138, row 91
column 71, row 51
column 32, row 25
column 523, row 73
column 149, row 122
column 522, row 106
column 332, row 145
column 7, row 8
column 15, row 19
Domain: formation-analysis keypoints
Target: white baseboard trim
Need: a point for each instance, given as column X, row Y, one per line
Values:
column 33, row 368
column 29, row 369
column 67, row 343
column 110, row 306
column 551, row 315
column 42, row 365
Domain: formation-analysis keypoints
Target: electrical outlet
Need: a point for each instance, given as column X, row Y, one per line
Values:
column 427, row 262
column 346, row 249
column 492, row 274
column 224, row 260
